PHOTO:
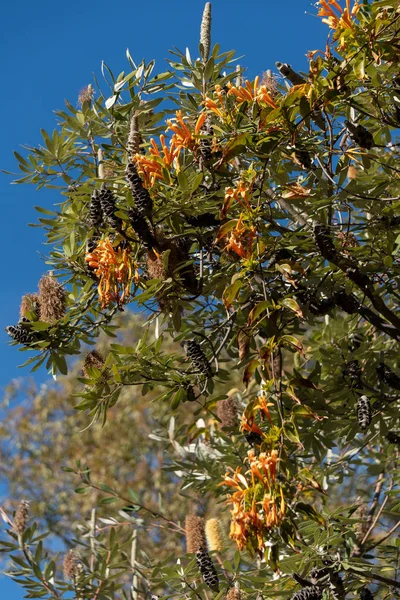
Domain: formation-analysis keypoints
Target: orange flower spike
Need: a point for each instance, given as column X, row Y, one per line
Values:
column 154, row 150
column 255, row 86
column 200, row 122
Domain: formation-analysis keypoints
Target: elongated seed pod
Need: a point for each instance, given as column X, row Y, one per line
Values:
column 95, row 212
column 142, row 229
column 140, row 195
column 311, row 592
column 363, row 412
column 196, row 355
column 353, row 371
column 360, row 135
column 207, row 569
column 324, row 242
column 107, row 202
column 388, row 376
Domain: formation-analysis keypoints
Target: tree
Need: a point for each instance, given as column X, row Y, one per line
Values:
column 259, row 235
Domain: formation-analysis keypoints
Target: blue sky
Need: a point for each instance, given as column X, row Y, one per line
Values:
column 48, row 52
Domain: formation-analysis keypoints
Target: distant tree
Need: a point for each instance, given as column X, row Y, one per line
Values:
column 259, row 236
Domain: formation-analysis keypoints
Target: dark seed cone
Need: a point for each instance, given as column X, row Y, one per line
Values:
column 393, row 437
column 142, row 229
column 195, row 534
column 29, row 303
column 360, row 135
column 207, row 569
column 91, row 244
column 366, row 594
column 324, row 242
column 363, row 412
column 21, row 333
column 52, row 298
column 304, row 158
column 204, row 220
column 141, row 196
column 190, row 394
column 95, row 211
column 353, row 372
column 227, row 412
column 347, row 302
column 72, row 566
column 336, row 587
column 253, row 438
column 196, row 356
column 21, row 517
column 107, row 203
column 388, row 376
column 311, row 592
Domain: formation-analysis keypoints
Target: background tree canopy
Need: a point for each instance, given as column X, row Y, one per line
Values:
column 249, row 405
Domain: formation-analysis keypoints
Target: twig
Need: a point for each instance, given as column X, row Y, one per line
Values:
column 385, row 537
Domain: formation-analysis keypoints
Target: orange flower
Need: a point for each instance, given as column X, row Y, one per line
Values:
column 183, row 137
column 251, row 93
column 115, row 269
column 263, row 406
column 217, row 106
column 343, row 20
column 240, row 240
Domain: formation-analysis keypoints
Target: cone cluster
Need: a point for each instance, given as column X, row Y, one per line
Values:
column 207, row 569
column 107, row 203
column 311, row 592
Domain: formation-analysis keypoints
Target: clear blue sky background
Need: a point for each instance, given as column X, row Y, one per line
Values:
column 48, row 52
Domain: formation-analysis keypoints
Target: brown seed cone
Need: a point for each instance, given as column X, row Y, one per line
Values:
column 243, row 342
column 227, row 412
column 21, row 517
column 195, row 535
column 72, row 566
column 214, row 535
column 93, row 359
column 29, row 303
column 233, row 594
column 52, row 298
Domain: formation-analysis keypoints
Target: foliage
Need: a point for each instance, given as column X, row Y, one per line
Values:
column 259, row 236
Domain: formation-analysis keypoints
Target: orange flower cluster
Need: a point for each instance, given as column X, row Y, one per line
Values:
column 240, row 240
column 151, row 167
column 217, row 106
column 115, row 269
column 240, row 193
column 183, row 137
column 343, row 20
column 258, row 502
column 251, row 93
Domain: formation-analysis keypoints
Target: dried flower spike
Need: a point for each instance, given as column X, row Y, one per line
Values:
column 227, row 412
column 29, row 304
column 195, row 535
column 21, row 517
column 86, row 95
column 93, row 359
column 52, row 298
column 72, row 566
column 233, row 594
column 205, row 32
column 214, row 535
